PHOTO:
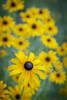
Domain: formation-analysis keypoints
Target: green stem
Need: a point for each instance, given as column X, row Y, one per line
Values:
column 41, row 89
column 22, row 93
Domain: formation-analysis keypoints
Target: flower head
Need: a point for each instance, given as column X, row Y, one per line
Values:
column 27, row 67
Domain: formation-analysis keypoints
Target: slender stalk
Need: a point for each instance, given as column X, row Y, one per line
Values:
column 22, row 93
column 41, row 89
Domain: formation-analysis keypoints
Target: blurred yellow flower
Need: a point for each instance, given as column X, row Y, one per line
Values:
column 27, row 16
column 13, row 5
column 20, row 43
column 65, row 61
column 48, row 20
column 22, row 30
column 6, row 22
column 64, row 45
column 61, row 51
column 40, row 13
column 6, row 40
column 50, row 29
column 58, row 77
column 48, row 58
column 16, row 91
column 57, row 66
column 36, row 28
column 49, row 41
column 3, row 52
column 6, row 97
column 2, row 91
column 27, row 67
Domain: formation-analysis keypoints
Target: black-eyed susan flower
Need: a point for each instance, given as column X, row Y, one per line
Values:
column 49, row 41
column 27, row 16
column 2, row 91
column 47, row 59
column 16, row 91
column 32, row 10
column 57, row 66
column 2, row 53
column 40, row 13
column 36, row 28
column 48, row 20
column 20, row 43
column 22, row 30
column 65, row 61
column 13, row 5
column 51, row 29
column 64, row 45
column 6, row 40
column 6, row 97
column 61, row 51
column 58, row 77
column 6, row 22
column 27, row 67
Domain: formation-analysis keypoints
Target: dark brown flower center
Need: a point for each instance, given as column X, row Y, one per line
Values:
column 50, row 28
column 28, row 84
column 18, row 97
column 48, row 40
column 20, row 29
column 4, row 22
column 58, row 74
column 13, row 4
column 5, row 39
column 62, row 50
column 47, row 59
column 40, row 11
column 28, row 65
column 27, row 16
column 48, row 20
column 20, row 43
column 34, row 26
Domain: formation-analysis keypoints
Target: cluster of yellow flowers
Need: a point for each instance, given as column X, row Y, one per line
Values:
column 25, row 70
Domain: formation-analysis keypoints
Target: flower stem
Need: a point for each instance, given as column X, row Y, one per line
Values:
column 22, row 93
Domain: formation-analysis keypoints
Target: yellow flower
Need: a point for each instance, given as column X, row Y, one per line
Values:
column 57, row 66
column 6, row 40
column 16, row 91
column 26, row 16
column 49, row 41
column 65, row 61
column 61, row 51
column 50, row 29
column 58, row 77
column 48, row 58
column 20, row 43
column 6, row 97
column 13, row 5
column 3, row 52
column 40, row 13
column 64, row 45
column 22, row 30
column 6, row 31
column 27, row 67
column 49, row 20
column 36, row 27
column 2, row 91
column 6, row 22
